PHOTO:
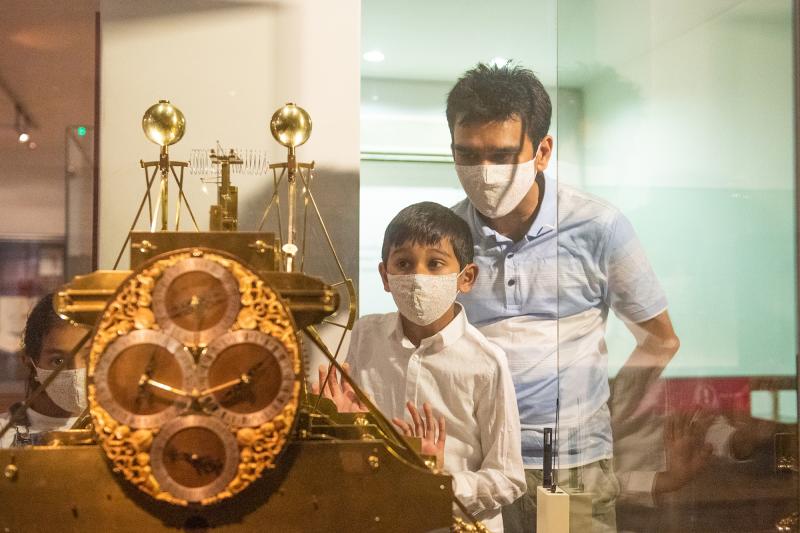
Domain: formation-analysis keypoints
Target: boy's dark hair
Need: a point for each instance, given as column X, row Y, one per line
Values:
column 429, row 223
column 497, row 93
column 41, row 320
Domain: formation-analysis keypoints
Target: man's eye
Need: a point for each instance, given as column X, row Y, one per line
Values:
column 504, row 158
column 57, row 361
column 466, row 158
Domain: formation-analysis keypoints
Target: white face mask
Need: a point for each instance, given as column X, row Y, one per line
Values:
column 67, row 390
column 422, row 298
column 495, row 190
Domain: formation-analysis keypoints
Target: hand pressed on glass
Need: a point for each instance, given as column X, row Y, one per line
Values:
column 342, row 394
column 431, row 431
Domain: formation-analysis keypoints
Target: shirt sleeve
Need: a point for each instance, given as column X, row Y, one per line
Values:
column 8, row 438
column 501, row 478
column 352, row 349
column 632, row 290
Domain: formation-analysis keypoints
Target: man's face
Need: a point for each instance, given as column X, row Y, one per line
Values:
column 492, row 143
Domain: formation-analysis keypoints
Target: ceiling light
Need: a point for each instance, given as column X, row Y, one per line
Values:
column 499, row 61
column 24, row 137
column 374, row 56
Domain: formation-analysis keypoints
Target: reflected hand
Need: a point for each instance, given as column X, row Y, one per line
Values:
column 432, row 431
column 686, row 450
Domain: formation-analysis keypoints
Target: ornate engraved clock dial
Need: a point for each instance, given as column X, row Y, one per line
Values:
column 196, row 300
column 245, row 377
column 144, row 379
column 194, row 457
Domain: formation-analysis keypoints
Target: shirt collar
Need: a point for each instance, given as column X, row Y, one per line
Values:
column 435, row 343
column 544, row 222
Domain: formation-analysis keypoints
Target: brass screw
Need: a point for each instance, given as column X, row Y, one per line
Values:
column 374, row 462
column 10, row 472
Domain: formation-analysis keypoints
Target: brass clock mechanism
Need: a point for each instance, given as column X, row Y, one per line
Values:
column 194, row 377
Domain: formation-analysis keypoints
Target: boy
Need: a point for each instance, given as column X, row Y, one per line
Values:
column 429, row 355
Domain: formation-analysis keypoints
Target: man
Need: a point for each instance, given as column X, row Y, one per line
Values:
column 552, row 262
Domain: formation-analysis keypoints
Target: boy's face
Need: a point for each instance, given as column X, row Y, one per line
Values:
column 435, row 260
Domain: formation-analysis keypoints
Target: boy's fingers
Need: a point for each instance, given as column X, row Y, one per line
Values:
column 321, row 373
column 334, row 380
column 419, row 430
column 442, row 434
column 403, row 426
column 429, row 421
column 315, row 388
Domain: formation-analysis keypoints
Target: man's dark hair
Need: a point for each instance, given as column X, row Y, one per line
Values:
column 497, row 93
column 429, row 223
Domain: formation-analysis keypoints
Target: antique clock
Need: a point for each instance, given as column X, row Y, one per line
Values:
column 194, row 377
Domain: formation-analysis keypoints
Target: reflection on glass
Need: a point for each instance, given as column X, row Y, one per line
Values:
column 683, row 121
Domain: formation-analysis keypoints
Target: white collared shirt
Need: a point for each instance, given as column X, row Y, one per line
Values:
column 39, row 423
column 464, row 378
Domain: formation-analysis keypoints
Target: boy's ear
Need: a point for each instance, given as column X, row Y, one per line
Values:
column 384, row 278
column 467, row 278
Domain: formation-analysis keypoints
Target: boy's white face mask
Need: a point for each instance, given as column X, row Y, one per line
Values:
column 422, row 298
column 68, row 389
column 495, row 190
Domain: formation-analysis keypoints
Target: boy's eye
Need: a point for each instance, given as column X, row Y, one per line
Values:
column 56, row 361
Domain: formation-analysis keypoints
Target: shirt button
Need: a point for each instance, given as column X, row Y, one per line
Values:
column 511, row 282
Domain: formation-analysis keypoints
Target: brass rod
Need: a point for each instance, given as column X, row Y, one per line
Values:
column 324, row 229
column 181, row 193
column 163, row 165
column 332, row 323
column 136, row 218
column 275, row 199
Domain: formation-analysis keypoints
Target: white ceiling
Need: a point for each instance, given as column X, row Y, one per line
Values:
column 566, row 42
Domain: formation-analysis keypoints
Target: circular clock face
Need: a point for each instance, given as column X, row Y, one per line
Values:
column 245, row 377
column 194, row 457
column 144, row 378
column 196, row 300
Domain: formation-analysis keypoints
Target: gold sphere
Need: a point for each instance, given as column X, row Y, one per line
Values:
column 163, row 123
column 290, row 125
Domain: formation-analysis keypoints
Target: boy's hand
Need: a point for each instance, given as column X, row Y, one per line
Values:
column 342, row 394
column 431, row 431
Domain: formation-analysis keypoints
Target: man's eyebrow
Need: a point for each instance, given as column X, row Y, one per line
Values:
column 511, row 149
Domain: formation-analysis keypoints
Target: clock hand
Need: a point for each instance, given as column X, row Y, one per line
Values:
column 244, row 379
column 162, row 386
column 202, row 464
column 221, row 386
column 194, row 302
column 142, row 392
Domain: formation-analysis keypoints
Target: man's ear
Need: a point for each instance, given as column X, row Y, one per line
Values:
column 467, row 278
column 545, row 152
column 384, row 277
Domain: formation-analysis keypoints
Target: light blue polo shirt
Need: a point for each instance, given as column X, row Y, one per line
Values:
column 545, row 301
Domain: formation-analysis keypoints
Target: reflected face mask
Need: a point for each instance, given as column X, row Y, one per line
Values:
column 422, row 298
column 68, row 389
column 495, row 190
